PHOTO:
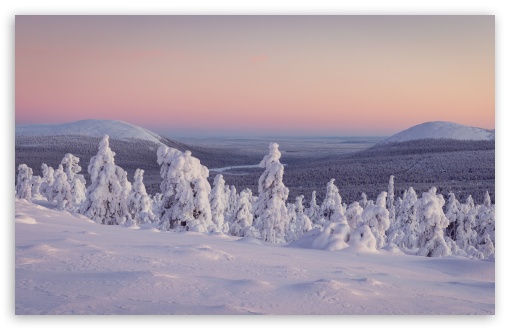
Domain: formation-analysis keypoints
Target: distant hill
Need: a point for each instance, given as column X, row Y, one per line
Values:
column 441, row 130
column 116, row 129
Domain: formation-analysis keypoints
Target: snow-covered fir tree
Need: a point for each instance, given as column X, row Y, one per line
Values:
column 390, row 202
column 408, row 219
column 486, row 220
column 242, row 222
column 106, row 200
column 24, row 182
column 313, row 211
column 331, row 208
column 466, row 234
column 377, row 218
column 432, row 223
column 61, row 190
column 76, row 181
column 185, row 201
column 219, row 203
column 46, row 181
column 353, row 215
column 36, row 186
column 364, row 200
column 453, row 213
column 303, row 222
column 270, row 212
column 139, row 202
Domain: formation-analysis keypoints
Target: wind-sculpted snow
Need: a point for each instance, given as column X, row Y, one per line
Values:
column 67, row 264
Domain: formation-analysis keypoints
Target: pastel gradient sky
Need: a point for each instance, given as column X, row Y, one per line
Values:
column 296, row 75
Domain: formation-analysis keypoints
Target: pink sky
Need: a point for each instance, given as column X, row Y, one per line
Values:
column 321, row 75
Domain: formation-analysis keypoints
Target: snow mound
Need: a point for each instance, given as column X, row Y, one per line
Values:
column 441, row 130
column 116, row 129
column 21, row 218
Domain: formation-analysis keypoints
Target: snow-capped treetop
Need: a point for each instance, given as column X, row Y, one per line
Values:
column 71, row 166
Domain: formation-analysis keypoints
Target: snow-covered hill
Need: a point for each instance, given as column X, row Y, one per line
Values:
column 116, row 129
column 441, row 130
column 67, row 264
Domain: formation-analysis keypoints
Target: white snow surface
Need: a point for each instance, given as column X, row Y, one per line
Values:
column 68, row 264
column 116, row 129
column 441, row 130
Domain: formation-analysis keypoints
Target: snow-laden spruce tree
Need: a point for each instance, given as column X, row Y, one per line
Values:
column 390, row 202
column 36, row 186
column 453, row 214
column 466, row 234
column 242, row 221
column 408, row 219
column 24, row 182
column 219, row 203
column 270, row 212
column 76, row 181
column 139, row 202
column 106, row 200
column 377, row 218
column 185, row 201
column 486, row 220
column 314, row 210
column 47, row 181
column 433, row 222
column 364, row 200
column 61, row 190
column 331, row 208
column 299, row 223
column 353, row 215
column 485, row 246
column 232, row 201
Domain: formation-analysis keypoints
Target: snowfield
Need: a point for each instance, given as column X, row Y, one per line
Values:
column 441, row 130
column 116, row 129
column 67, row 264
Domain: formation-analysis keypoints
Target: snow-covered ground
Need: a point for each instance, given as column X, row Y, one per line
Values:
column 67, row 264
column 116, row 129
column 441, row 130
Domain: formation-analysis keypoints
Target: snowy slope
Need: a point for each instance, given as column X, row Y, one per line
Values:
column 66, row 264
column 116, row 129
column 441, row 130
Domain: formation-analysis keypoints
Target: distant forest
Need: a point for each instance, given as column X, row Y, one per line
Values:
column 463, row 167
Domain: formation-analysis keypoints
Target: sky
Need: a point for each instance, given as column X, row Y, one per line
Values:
column 260, row 75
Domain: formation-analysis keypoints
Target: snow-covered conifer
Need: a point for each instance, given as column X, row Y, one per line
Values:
column 486, row 220
column 364, row 200
column 242, row 221
column 453, row 214
column 331, row 208
column 433, row 222
column 24, row 182
column 219, row 203
column 313, row 211
column 408, row 219
column 376, row 217
column 139, row 202
column 486, row 246
column 61, row 190
column 36, row 186
column 466, row 234
column 299, row 223
column 353, row 215
column 391, row 199
column 269, row 210
column 185, row 202
column 47, row 181
column 106, row 200
column 76, row 181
